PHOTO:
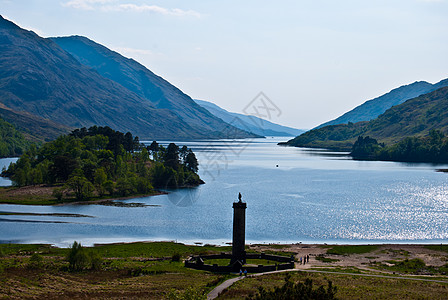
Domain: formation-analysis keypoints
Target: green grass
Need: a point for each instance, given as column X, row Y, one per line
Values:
column 351, row 249
column 156, row 249
column 126, row 268
column 440, row 247
column 411, row 266
column 348, row 286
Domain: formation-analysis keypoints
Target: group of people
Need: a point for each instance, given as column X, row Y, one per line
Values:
column 304, row 260
column 241, row 272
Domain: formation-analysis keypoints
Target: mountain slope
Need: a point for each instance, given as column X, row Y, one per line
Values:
column 371, row 109
column 415, row 117
column 137, row 78
column 249, row 123
column 12, row 142
column 34, row 128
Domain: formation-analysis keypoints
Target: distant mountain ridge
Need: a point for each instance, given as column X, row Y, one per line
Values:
column 41, row 80
column 138, row 79
column 249, row 123
column 371, row 109
column 415, row 117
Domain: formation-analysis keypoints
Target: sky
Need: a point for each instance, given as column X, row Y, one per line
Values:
column 313, row 59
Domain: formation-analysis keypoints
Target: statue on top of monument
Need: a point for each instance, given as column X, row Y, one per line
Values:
column 239, row 197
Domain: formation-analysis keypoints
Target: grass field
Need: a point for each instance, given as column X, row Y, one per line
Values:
column 154, row 270
column 127, row 271
column 348, row 286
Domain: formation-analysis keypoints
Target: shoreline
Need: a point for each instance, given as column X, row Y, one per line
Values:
column 41, row 195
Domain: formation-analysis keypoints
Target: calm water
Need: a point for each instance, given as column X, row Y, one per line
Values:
column 292, row 195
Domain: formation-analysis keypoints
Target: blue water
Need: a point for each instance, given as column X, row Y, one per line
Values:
column 293, row 195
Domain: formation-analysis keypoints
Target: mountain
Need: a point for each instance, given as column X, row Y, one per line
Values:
column 249, row 123
column 371, row 109
column 415, row 117
column 138, row 79
column 38, row 77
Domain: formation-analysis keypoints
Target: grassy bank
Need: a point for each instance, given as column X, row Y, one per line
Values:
column 135, row 270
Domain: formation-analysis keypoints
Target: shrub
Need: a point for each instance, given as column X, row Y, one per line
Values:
column 77, row 257
column 36, row 260
column 95, row 260
column 175, row 257
column 298, row 290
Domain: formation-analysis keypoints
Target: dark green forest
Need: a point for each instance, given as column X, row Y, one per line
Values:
column 431, row 148
column 100, row 161
column 12, row 142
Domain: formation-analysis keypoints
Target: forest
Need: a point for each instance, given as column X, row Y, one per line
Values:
column 432, row 148
column 100, row 161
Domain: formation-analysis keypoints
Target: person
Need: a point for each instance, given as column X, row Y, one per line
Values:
column 300, row 260
column 245, row 272
column 304, row 260
column 307, row 258
column 241, row 272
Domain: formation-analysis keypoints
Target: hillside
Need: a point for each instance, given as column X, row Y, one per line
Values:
column 12, row 142
column 40, row 78
column 249, row 123
column 371, row 109
column 415, row 117
column 138, row 79
column 34, row 128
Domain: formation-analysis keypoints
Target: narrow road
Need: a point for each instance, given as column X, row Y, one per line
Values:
column 218, row 290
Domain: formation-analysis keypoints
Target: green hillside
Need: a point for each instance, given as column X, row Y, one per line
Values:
column 415, row 117
column 12, row 142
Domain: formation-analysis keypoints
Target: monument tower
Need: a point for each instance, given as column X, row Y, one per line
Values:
column 239, row 231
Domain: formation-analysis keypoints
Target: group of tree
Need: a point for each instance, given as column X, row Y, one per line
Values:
column 431, row 148
column 12, row 142
column 100, row 161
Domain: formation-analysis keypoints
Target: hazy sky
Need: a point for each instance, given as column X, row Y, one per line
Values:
column 315, row 59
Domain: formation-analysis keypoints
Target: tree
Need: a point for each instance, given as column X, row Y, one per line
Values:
column 183, row 152
column 124, row 187
column 62, row 167
column 79, row 184
column 128, row 142
column 171, row 158
column 58, row 193
column 100, row 179
column 77, row 257
column 191, row 162
column 365, row 148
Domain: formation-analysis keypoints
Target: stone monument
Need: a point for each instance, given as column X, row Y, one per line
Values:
column 239, row 231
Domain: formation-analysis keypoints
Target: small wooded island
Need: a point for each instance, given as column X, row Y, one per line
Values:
column 99, row 163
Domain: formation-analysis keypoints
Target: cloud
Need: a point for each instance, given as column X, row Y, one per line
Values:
column 86, row 4
column 114, row 5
